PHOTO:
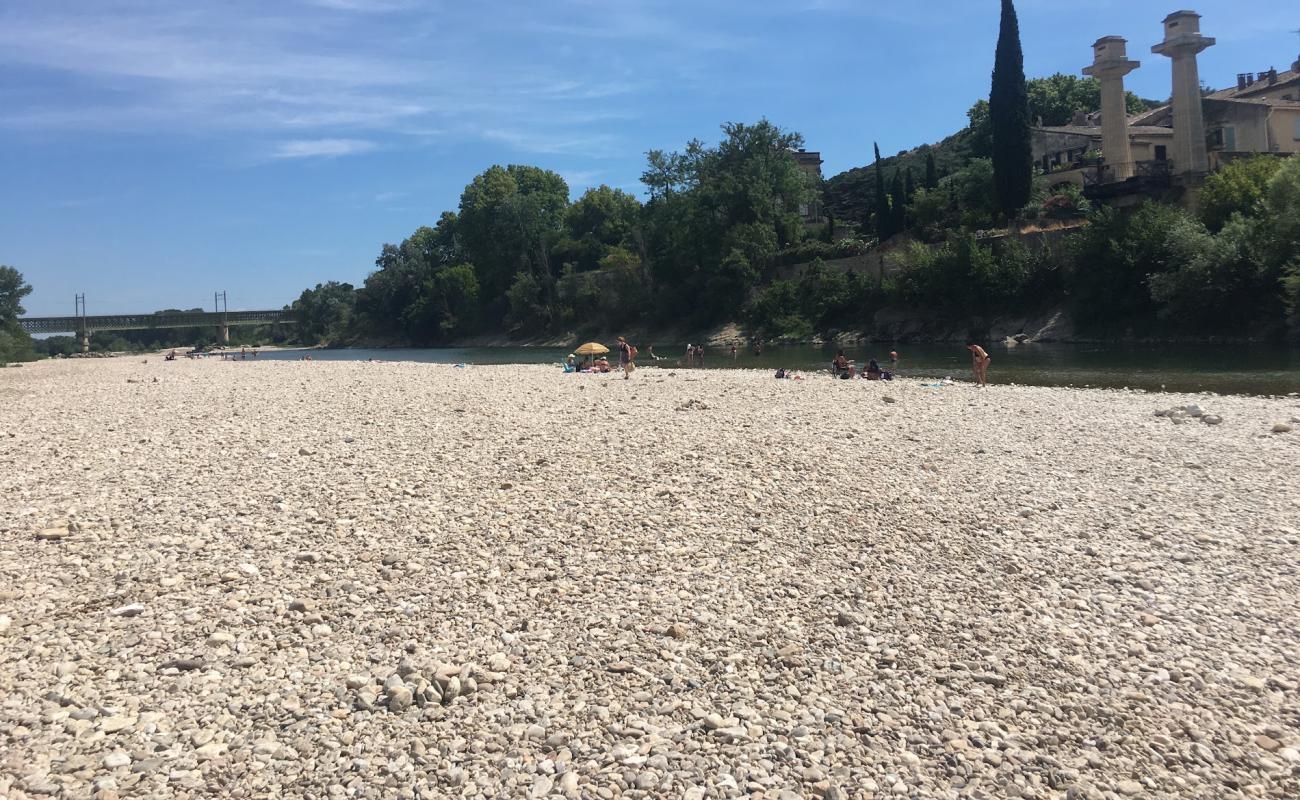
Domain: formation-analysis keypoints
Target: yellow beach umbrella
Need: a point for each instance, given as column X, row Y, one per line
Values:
column 592, row 349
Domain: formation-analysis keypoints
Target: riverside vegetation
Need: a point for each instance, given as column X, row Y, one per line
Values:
column 720, row 221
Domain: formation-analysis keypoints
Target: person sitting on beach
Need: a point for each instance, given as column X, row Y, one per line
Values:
column 170, row 356
column 841, row 367
column 571, row 363
column 874, row 372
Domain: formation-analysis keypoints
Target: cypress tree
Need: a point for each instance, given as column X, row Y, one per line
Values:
column 883, row 220
column 1009, row 115
column 910, row 185
column 899, row 201
column 931, row 171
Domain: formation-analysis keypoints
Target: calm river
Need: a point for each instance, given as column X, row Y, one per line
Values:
column 1227, row 369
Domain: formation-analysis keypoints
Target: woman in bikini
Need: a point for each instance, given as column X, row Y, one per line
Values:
column 979, row 362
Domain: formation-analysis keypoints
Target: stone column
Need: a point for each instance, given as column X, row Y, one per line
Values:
column 1183, row 40
column 1110, row 63
column 225, row 334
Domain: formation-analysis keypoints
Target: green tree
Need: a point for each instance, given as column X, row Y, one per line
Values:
column 1009, row 116
column 1238, row 188
column 716, row 216
column 1058, row 97
column 15, row 343
column 1112, row 260
column 525, row 302
column 509, row 219
column 884, row 220
column 1217, row 282
column 898, row 202
column 931, row 171
column 424, row 289
column 602, row 219
column 324, row 313
column 12, row 291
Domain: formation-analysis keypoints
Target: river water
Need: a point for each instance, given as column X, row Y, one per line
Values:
column 1226, row 369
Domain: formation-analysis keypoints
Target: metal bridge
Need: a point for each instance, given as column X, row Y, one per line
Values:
column 136, row 322
column 83, row 325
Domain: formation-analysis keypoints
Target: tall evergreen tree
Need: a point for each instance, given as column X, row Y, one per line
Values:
column 884, row 220
column 1009, row 117
column 910, row 185
column 898, row 200
column 931, row 171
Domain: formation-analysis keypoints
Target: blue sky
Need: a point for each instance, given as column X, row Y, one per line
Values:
column 153, row 152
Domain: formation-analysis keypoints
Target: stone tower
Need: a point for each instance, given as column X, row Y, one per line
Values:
column 1183, row 40
column 1110, row 63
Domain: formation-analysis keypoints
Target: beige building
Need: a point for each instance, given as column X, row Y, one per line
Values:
column 1261, row 114
column 1175, row 143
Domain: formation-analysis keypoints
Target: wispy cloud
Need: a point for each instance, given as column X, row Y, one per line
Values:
column 551, row 142
column 321, row 148
column 306, row 69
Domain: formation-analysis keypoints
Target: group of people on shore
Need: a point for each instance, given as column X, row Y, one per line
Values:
column 841, row 366
column 694, row 355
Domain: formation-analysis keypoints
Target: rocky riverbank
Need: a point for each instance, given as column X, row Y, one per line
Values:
column 397, row 580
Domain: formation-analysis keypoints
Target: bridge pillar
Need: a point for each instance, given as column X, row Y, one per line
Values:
column 84, row 336
column 224, row 332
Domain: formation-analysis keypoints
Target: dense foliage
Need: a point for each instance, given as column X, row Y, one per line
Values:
column 1238, row 188
column 1159, row 268
column 15, row 344
column 518, row 256
column 1009, row 122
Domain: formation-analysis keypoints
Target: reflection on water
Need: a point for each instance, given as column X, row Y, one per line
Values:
column 1227, row 369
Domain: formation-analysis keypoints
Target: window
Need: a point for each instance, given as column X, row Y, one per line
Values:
column 1230, row 139
column 1162, row 152
column 1296, row 133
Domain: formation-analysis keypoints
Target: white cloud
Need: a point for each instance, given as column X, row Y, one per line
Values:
column 321, row 148
column 310, row 72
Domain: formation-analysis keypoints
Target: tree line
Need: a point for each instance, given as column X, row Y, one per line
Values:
column 719, row 222
column 518, row 256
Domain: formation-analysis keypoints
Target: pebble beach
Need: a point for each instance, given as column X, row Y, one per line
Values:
column 349, row 579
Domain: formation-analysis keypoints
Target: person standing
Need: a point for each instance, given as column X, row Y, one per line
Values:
column 979, row 362
column 690, row 354
column 733, row 351
column 699, row 355
column 625, row 354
